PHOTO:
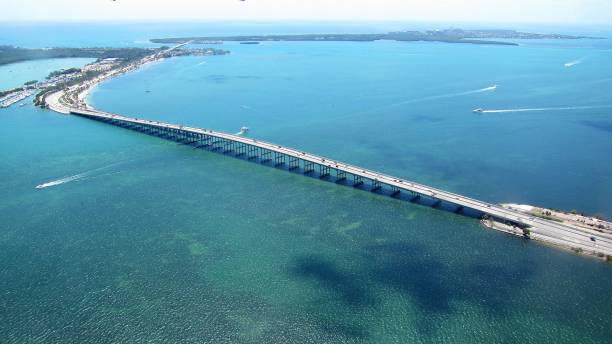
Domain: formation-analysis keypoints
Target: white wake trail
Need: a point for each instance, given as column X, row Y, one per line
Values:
column 459, row 94
column 444, row 96
column 573, row 63
column 88, row 174
column 61, row 181
column 567, row 108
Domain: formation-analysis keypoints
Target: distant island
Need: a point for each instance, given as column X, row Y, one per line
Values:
column 445, row 36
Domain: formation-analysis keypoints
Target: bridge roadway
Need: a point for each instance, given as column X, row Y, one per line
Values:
column 553, row 231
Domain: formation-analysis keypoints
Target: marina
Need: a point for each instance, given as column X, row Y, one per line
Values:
column 15, row 98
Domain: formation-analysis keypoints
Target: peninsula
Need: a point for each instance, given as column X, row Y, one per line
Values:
column 445, row 36
column 108, row 61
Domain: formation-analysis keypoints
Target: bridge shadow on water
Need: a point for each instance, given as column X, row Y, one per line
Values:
column 432, row 285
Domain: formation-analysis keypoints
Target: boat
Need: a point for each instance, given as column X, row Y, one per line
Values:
column 249, row 42
column 22, row 104
column 243, row 131
column 479, row 110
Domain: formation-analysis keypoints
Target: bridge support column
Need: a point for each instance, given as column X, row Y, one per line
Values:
column 415, row 196
column 436, row 203
column 228, row 146
column 192, row 138
column 294, row 163
column 459, row 209
column 375, row 185
column 357, row 180
column 266, row 155
column 163, row 133
column 241, row 149
column 340, row 175
column 252, row 152
column 308, row 167
column 216, row 144
column 323, row 171
column 279, row 159
column 202, row 139
column 395, row 191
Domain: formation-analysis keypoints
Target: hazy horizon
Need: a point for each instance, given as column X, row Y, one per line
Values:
column 500, row 13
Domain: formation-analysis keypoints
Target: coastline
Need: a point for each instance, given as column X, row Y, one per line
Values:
column 80, row 92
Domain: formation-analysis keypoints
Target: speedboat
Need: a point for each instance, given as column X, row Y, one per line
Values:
column 479, row 110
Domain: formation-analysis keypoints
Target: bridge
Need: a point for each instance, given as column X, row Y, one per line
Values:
column 346, row 174
column 72, row 101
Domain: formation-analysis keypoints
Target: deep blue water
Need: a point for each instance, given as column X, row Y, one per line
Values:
column 152, row 241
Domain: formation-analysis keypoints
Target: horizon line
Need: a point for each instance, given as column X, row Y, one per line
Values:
column 307, row 21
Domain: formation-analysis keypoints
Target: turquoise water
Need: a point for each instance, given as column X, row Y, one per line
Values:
column 147, row 240
column 15, row 74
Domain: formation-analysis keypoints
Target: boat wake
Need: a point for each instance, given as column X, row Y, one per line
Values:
column 201, row 63
column 573, row 63
column 490, row 88
column 567, row 108
column 91, row 174
column 61, row 181
column 452, row 95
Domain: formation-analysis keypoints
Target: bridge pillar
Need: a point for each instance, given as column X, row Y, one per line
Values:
column 184, row 136
column 323, row 171
column 294, row 163
column 241, row 149
column 200, row 141
column 459, row 209
column 308, row 167
column 357, row 180
column 266, row 155
column 395, row 191
column 217, row 144
column 279, row 159
column 192, row 138
column 340, row 175
column 206, row 141
column 375, row 185
column 253, row 152
column 436, row 203
column 415, row 196
column 228, row 146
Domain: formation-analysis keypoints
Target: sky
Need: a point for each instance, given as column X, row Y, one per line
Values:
column 574, row 12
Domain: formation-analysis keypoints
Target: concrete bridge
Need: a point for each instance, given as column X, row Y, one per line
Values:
column 350, row 175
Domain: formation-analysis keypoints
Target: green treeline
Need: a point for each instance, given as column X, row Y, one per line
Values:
column 9, row 54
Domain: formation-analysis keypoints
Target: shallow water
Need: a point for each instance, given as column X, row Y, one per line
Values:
column 15, row 74
column 161, row 242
